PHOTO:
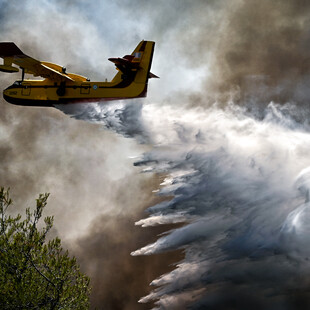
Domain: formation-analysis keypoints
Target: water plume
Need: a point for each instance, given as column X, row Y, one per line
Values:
column 238, row 182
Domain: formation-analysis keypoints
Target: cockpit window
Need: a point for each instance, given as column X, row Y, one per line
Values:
column 17, row 83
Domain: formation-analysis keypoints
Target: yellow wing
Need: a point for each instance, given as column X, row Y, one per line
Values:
column 13, row 55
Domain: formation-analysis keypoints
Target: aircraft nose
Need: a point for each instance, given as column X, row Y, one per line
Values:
column 6, row 97
column 8, row 94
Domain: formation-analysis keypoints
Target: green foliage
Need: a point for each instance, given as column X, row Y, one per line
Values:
column 36, row 273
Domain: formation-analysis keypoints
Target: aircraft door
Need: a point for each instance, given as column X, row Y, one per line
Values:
column 85, row 88
column 26, row 89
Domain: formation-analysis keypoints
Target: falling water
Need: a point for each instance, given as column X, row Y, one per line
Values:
column 239, row 181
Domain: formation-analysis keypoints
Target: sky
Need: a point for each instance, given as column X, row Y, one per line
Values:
column 202, row 188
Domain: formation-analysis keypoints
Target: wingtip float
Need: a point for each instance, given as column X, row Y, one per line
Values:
column 60, row 87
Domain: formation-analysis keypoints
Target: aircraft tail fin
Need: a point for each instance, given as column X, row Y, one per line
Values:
column 136, row 67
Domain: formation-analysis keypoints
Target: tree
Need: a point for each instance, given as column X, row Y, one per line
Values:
column 36, row 273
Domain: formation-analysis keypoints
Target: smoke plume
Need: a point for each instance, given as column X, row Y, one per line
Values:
column 222, row 140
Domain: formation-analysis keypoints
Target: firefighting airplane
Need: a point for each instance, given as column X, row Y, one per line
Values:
column 60, row 87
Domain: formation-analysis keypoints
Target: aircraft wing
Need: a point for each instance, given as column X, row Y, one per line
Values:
column 13, row 55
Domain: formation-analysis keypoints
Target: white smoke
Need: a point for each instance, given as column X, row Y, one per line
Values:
column 239, row 182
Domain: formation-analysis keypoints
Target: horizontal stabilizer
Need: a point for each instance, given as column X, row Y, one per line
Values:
column 124, row 62
column 129, row 57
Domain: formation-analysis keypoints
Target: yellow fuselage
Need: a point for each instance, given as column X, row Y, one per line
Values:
column 59, row 87
column 46, row 92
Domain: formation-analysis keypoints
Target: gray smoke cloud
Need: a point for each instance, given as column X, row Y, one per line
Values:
column 247, row 50
column 269, row 39
column 223, row 140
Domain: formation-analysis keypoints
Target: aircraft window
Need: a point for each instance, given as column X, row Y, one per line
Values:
column 17, row 83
